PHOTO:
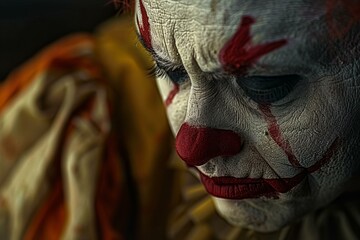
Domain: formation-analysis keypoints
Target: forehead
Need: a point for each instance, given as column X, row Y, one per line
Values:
column 187, row 30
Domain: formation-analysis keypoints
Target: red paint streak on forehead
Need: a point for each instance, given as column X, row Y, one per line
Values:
column 197, row 145
column 145, row 27
column 275, row 133
column 172, row 95
column 239, row 53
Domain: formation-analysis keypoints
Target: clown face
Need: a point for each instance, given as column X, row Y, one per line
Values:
column 263, row 101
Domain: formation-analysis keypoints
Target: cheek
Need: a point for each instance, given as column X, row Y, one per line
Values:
column 327, row 114
column 312, row 125
column 175, row 100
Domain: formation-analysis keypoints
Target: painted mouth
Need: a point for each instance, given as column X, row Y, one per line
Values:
column 242, row 188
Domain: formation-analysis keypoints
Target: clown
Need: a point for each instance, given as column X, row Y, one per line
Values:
column 263, row 100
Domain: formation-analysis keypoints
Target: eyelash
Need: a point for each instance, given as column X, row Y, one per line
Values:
column 173, row 74
column 155, row 71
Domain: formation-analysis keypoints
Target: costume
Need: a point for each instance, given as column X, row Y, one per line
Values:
column 43, row 105
column 82, row 130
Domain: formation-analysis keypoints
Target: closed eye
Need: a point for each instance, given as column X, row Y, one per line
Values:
column 177, row 75
column 268, row 89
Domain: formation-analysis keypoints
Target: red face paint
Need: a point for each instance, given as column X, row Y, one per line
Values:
column 172, row 95
column 276, row 135
column 326, row 157
column 243, row 188
column 237, row 188
column 145, row 27
column 238, row 54
column 197, row 145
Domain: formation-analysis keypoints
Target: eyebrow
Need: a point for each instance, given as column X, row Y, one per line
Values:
column 160, row 61
column 166, row 64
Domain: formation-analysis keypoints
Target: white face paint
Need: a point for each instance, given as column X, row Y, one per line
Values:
column 299, row 141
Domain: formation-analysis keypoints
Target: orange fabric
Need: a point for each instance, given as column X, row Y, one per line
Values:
column 49, row 221
column 134, row 185
column 108, row 199
column 19, row 79
column 52, row 228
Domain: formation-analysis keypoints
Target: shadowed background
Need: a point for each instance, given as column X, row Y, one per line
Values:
column 26, row 26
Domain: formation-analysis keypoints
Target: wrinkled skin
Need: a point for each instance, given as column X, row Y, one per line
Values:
column 317, row 120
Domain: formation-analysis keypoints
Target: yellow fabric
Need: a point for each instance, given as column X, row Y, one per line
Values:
column 141, row 120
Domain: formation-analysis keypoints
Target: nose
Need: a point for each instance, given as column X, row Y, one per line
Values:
column 197, row 145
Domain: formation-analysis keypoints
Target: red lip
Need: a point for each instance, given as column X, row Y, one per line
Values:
column 242, row 188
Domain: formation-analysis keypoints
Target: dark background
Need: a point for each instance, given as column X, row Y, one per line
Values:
column 28, row 25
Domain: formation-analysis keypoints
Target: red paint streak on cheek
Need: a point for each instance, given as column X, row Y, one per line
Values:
column 288, row 183
column 239, row 53
column 326, row 156
column 145, row 27
column 275, row 133
column 172, row 95
column 197, row 145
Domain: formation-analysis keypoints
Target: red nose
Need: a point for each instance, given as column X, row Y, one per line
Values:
column 196, row 145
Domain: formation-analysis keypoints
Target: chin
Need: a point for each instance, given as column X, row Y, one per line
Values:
column 266, row 214
column 271, row 213
column 262, row 215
